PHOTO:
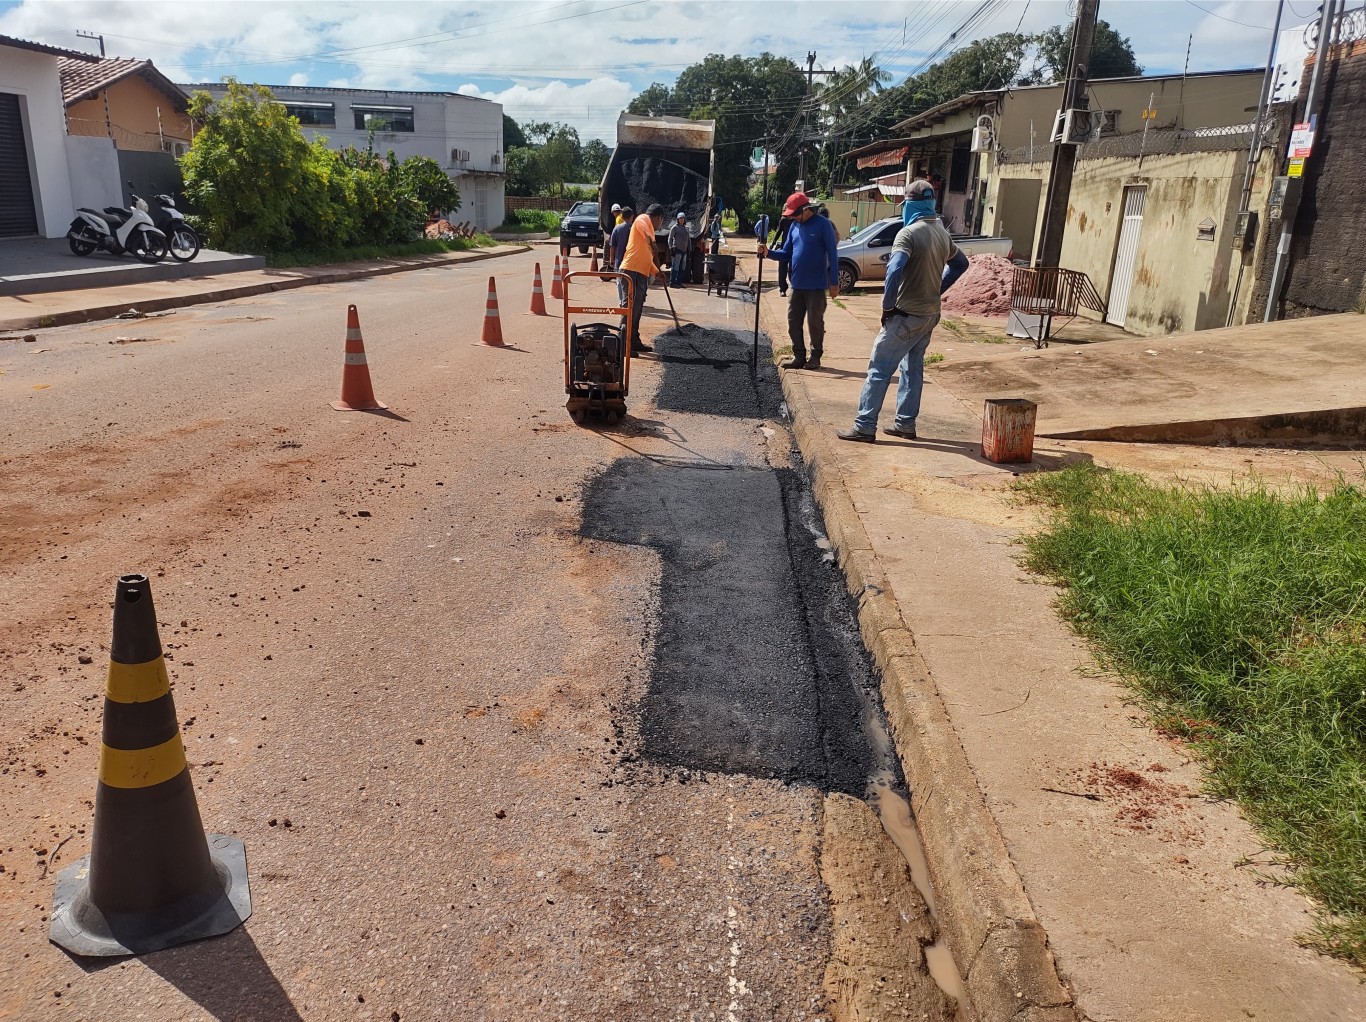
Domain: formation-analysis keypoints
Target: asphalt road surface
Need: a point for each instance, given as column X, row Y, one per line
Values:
column 517, row 719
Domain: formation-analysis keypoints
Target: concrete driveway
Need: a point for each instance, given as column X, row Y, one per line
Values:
column 39, row 265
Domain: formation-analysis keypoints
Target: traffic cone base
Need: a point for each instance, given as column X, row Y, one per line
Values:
column 357, row 394
column 153, row 879
column 557, row 281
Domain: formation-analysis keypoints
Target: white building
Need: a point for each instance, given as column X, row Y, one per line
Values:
column 463, row 134
column 35, row 182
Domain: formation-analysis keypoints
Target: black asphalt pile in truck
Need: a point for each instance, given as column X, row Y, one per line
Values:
column 667, row 160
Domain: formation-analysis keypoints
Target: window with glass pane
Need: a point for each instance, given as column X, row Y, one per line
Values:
column 383, row 118
column 313, row 114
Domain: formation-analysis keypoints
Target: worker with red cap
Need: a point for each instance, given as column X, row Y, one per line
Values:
column 813, row 272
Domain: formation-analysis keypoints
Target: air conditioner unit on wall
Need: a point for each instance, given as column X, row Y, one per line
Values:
column 460, row 156
column 983, row 135
column 1076, row 127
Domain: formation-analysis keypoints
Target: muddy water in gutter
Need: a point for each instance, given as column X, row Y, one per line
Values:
column 886, row 793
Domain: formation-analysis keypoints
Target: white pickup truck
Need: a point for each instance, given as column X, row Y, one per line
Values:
column 863, row 257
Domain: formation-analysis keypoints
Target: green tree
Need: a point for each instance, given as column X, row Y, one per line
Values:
column 513, row 136
column 749, row 98
column 433, row 188
column 523, row 168
column 246, row 168
column 593, row 159
column 560, row 155
column 1112, row 55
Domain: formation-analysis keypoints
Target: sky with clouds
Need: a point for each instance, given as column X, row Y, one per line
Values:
column 581, row 61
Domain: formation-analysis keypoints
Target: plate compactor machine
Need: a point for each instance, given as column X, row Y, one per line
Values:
column 597, row 356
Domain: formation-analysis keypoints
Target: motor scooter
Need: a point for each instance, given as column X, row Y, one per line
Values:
column 117, row 231
column 182, row 239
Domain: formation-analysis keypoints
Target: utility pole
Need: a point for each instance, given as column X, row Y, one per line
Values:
column 1049, row 250
column 1313, row 103
column 810, row 73
column 92, row 35
column 765, row 192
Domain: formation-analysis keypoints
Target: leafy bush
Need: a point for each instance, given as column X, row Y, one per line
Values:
column 262, row 187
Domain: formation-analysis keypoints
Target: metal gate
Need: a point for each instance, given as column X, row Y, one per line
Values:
column 1126, row 255
column 17, row 215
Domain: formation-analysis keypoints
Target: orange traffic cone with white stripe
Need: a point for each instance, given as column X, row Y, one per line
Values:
column 537, row 295
column 557, row 281
column 153, row 879
column 593, row 266
column 493, row 326
column 357, row 394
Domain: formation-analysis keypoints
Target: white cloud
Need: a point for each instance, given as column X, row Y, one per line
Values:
column 581, row 63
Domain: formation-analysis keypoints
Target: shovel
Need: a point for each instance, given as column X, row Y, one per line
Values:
column 677, row 325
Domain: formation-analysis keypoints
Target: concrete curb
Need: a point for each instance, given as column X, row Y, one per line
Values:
column 223, row 294
column 996, row 939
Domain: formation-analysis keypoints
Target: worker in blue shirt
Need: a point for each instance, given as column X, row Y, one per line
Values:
column 810, row 252
column 616, row 247
column 924, row 264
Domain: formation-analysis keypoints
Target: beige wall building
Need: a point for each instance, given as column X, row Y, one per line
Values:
column 1178, row 172
column 129, row 101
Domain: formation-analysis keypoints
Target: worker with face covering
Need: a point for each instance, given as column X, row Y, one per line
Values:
column 924, row 264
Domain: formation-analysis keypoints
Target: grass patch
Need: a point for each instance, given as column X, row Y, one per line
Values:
column 424, row 246
column 935, row 358
column 1239, row 615
column 532, row 220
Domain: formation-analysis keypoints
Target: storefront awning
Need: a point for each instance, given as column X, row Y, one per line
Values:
column 890, row 158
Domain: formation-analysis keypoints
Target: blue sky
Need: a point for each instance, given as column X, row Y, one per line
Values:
column 581, row 61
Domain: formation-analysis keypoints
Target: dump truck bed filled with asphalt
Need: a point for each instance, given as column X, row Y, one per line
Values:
column 667, row 160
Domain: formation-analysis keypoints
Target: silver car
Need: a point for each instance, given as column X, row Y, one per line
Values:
column 863, row 257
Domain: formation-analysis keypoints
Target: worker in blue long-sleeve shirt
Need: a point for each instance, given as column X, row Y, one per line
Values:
column 924, row 264
column 810, row 252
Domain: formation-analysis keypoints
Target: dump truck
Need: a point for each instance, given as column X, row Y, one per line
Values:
column 668, row 160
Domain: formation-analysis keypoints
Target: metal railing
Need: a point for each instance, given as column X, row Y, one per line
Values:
column 1053, row 291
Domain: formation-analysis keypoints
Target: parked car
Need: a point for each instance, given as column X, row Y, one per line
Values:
column 863, row 257
column 580, row 228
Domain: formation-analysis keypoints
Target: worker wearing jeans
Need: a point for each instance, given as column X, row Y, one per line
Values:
column 925, row 262
column 680, row 243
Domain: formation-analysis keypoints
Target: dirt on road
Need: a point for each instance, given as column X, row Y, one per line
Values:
column 516, row 719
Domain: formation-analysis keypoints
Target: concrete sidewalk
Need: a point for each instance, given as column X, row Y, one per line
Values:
column 1067, row 839
column 59, row 308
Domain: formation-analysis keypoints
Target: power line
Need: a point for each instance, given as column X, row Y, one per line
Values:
column 1231, row 21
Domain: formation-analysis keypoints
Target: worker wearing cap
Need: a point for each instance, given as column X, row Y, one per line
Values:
column 639, row 264
column 680, row 244
column 810, row 251
column 617, row 216
column 924, row 264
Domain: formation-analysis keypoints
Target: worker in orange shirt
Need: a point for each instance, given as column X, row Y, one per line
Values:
column 639, row 265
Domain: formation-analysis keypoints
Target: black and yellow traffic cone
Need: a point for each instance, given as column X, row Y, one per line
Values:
column 153, row 879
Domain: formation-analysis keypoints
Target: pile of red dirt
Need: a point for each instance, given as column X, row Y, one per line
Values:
column 984, row 290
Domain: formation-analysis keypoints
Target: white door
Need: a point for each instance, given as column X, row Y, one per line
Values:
column 1126, row 255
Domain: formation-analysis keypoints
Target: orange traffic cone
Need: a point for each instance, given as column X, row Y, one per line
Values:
column 557, row 281
column 153, row 879
column 537, row 295
column 593, row 266
column 357, row 394
column 493, row 327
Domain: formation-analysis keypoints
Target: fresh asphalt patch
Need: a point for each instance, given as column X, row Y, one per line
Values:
column 758, row 666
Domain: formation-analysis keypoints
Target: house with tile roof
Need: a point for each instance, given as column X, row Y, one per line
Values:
column 127, row 100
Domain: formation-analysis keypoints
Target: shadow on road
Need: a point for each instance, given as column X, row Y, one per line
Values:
column 227, row 977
